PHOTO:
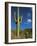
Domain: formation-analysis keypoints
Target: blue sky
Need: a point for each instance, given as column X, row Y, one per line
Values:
column 26, row 13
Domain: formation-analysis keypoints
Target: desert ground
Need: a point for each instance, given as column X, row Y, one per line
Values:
column 27, row 33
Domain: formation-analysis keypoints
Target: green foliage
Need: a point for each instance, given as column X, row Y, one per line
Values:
column 28, row 33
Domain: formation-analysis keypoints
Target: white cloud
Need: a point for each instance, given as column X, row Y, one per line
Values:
column 29, row 20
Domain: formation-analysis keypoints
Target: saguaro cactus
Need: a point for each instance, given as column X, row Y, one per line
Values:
column 18, row 21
